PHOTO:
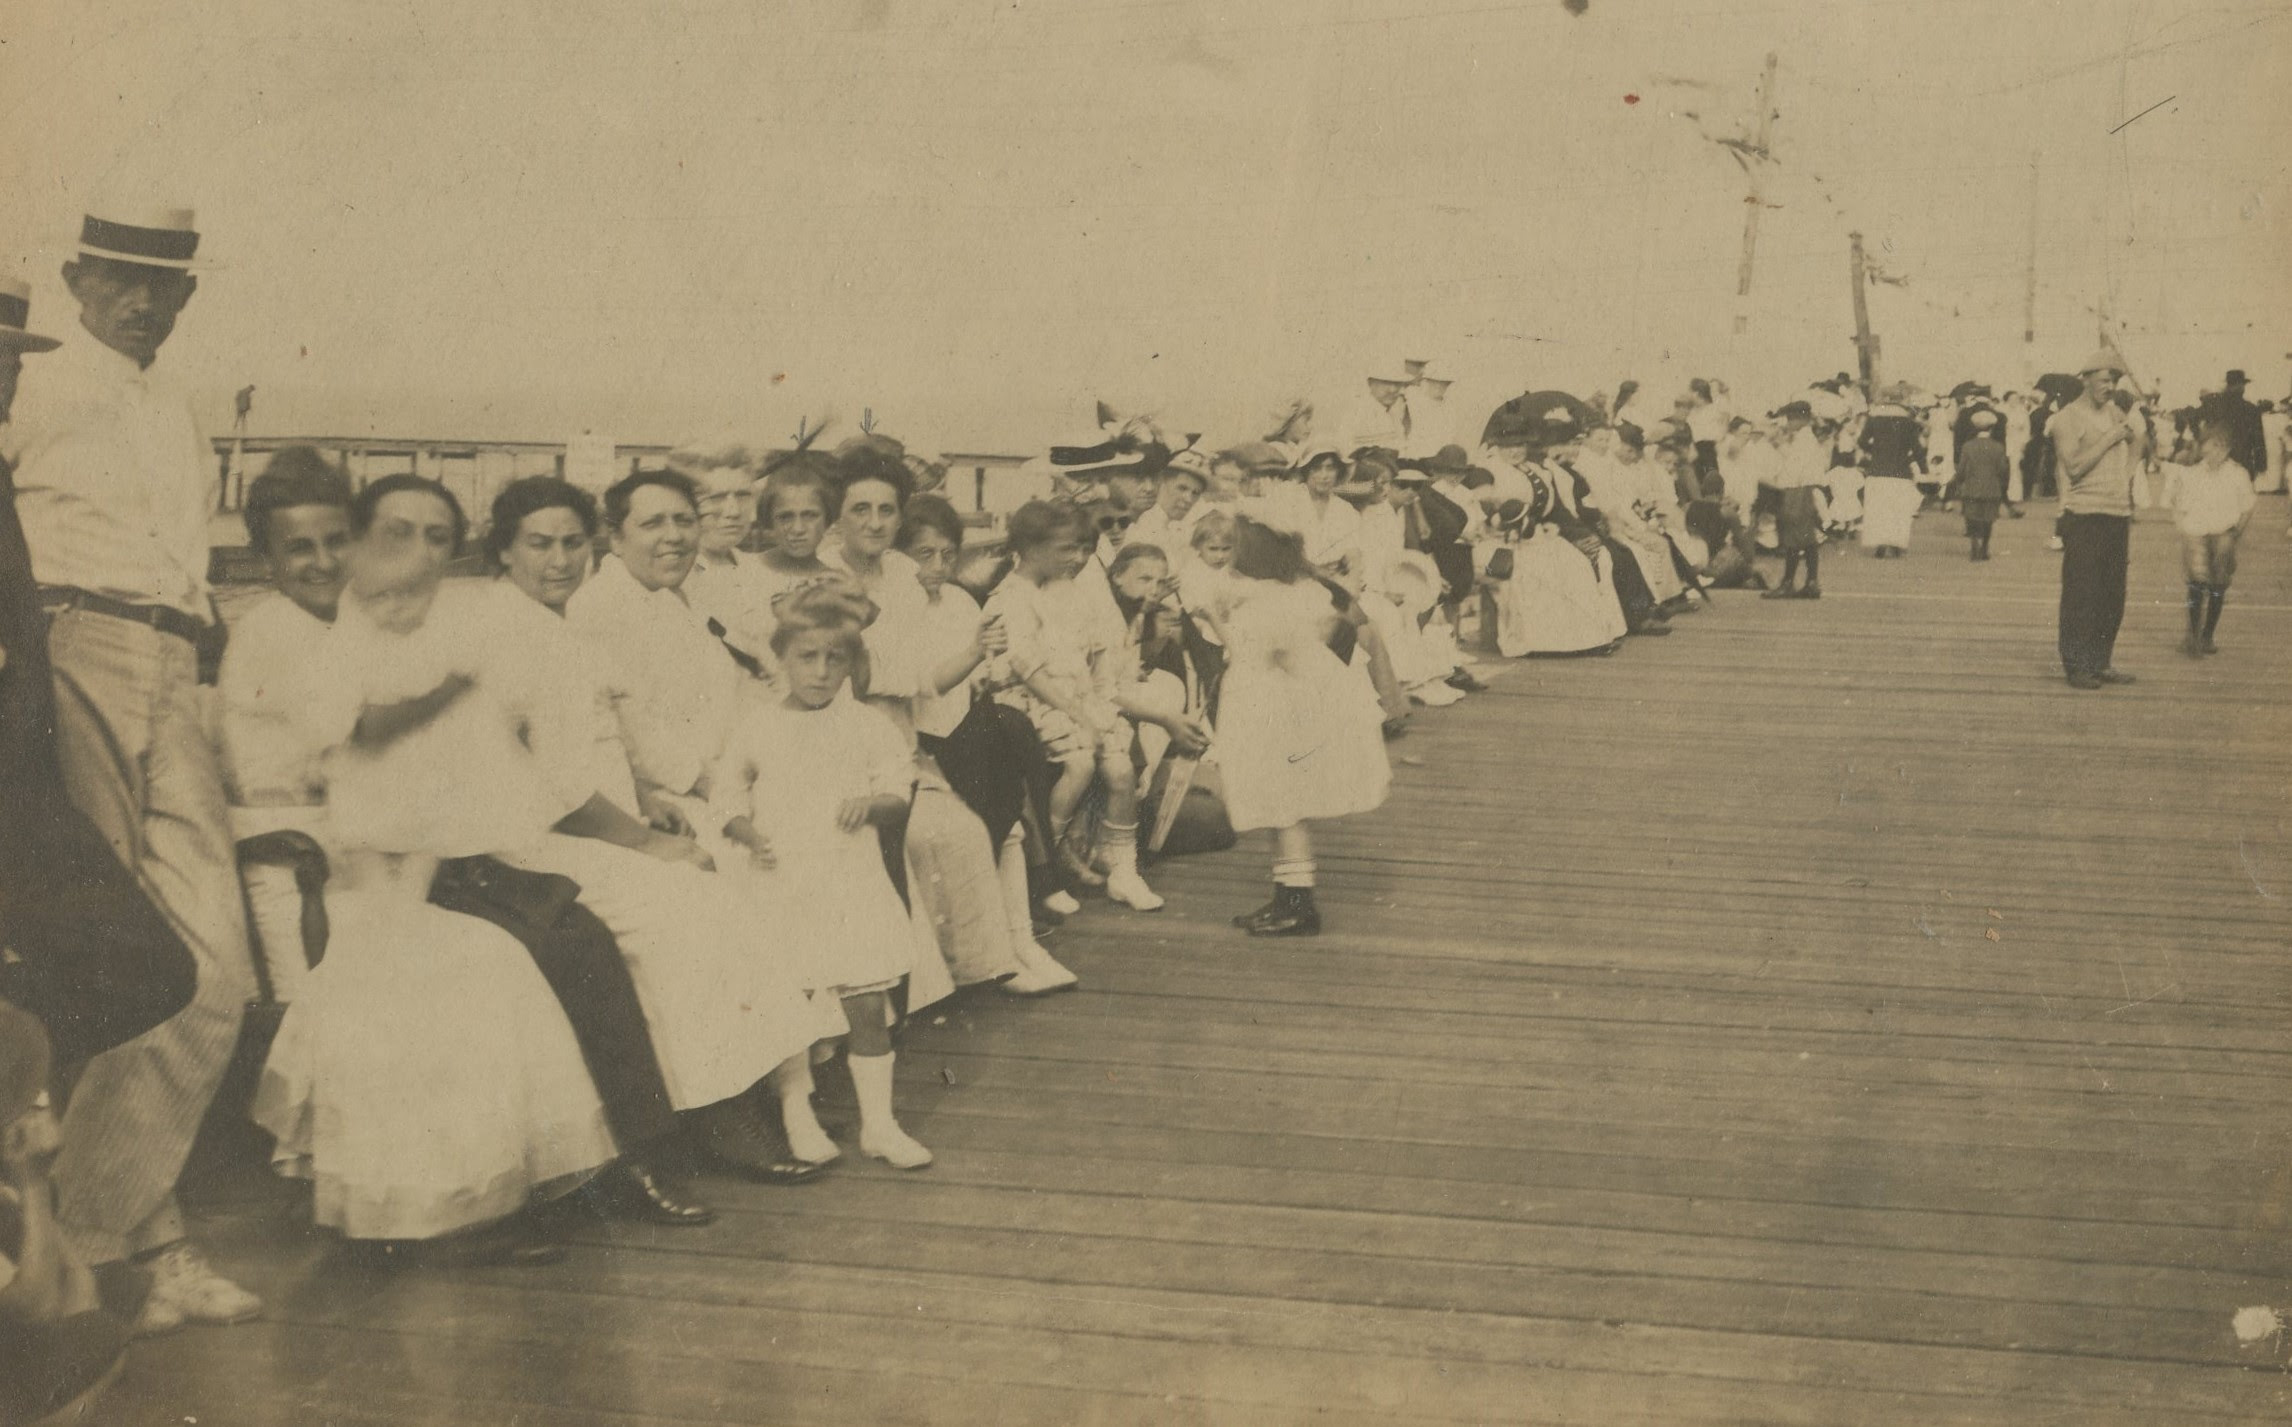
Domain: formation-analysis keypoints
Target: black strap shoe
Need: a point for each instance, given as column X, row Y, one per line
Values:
column 733, row 1136
column 1294, row 915
column 1249, row 921
column 631, row 1190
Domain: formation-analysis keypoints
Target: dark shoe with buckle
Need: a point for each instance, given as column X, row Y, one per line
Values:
column 2082, row 680
column 632, row 1190
column 1464, row 681
column 2115, row 676
column 731, row 1134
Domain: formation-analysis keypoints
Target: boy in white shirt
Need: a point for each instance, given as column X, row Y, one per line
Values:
column 2212, row 502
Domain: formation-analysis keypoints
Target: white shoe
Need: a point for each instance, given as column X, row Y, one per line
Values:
column 894, row 1146
column 1124, row 885
column 1434, row 694
column 2053, row 542
column 186, row 1289
column 1062, row 903
column 806, row 1140
column 1040, row 978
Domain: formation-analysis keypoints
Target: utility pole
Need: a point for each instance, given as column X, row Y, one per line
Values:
column 2029, row 284
column 1757, row 198
column 1865, row 345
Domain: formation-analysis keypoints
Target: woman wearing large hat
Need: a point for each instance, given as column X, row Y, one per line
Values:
column 1554, row 595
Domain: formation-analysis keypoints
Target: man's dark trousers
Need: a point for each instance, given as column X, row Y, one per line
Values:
column 2094, row 553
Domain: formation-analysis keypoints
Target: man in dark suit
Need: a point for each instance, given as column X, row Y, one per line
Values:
column 2247, row 440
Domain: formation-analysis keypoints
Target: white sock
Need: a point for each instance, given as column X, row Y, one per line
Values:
column 880, row 1134
column 1293, row 872
column 793, row 1080
column 1120, row 841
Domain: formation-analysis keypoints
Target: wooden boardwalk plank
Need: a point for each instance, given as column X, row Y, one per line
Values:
column 1656, row 1068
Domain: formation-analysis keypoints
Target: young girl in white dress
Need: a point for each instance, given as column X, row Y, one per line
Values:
column 424, row 1078
column 1299, row 733
column 807, row 777
column 799, row 505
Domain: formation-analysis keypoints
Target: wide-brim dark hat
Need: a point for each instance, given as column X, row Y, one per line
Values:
column 15, row 315
column 1449, row 460
column 1124, row 455
column 2235, row 377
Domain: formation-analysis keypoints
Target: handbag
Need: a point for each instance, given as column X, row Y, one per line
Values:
column 1500, row 563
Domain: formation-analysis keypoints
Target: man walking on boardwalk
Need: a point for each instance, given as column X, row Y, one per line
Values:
column 113, row 482
column 2094, row 448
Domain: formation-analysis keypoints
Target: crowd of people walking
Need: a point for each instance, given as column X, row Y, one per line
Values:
column 561, row 847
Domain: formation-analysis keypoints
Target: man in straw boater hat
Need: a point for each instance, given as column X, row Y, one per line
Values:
column 113, row 481
column 88, row 952
column 2094, row 446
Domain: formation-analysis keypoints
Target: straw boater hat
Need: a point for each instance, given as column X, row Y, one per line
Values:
column 15, row 312
column 152, row 236
column 1191, row 463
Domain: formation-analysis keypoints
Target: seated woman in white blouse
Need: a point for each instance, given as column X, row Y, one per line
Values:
column 721, row 1008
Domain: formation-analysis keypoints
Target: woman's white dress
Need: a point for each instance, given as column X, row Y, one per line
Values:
column 1300, row 735
column 424, row 1078
column 1558, row 600
column 1889, row 511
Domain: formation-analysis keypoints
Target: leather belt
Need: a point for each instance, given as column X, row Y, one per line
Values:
column 164, row 618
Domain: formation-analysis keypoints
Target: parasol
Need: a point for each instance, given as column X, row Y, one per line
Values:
column 1539, row 419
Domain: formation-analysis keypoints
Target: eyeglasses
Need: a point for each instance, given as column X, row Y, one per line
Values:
column 1109, row 522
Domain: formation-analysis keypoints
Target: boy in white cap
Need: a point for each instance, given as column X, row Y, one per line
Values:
column 114, row 485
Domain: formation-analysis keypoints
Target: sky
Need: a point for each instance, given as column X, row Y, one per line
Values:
column 969, row 220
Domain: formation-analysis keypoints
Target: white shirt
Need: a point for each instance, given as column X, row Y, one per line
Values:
column 1381, row 537
column 466, row 782
column 949, row 625
column 572, row 728
column 1332, row 533
column 269, row 758
column 674, row 689
column 2209, row 500
column 900, row 602
column 1174, row 538
column 113, row 480
column 738, row 595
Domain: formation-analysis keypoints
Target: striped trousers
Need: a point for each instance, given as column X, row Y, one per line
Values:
column 137, row 760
